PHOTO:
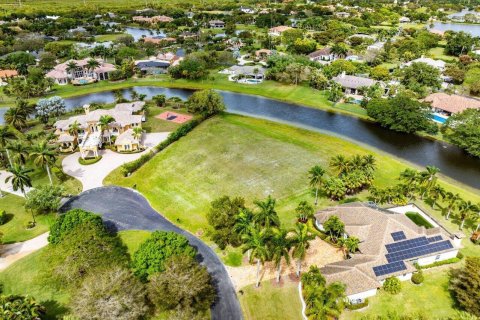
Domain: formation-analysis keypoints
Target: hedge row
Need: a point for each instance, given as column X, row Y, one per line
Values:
column 183, row 130
column 357, row 306
column 441, row 263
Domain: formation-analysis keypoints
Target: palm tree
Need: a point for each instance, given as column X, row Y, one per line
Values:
column 341, row 164
column 71, row 67
column 301, row 242
column 104, row 122
column 19, row 150
column 428, row 178
column 74, row 129
column 304, row 211
column 435, row 193
column 6, row 135
column 410, row 176
column 452, row 202
column 20, row 179
column 243, row 222
column 44, row 155
column 266, row 216
column 349, row 245
column 316, row 179
column 281, row 245
column 255, row 241
column 92, row 64
column 16, row 117
column 466, row 208
column 137, row 133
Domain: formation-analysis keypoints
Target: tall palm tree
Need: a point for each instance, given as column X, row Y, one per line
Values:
column 6, row 135
column 255, row 241
column 452, row 202
column 44, row 155
column 316, row 179
column 137, row 133
column 71, row 67
column 266, row 216
column 435, row 193
column 341, row 164
column 104, row 122
column 19, row 178
column 281, row 245
column 74, row 129
column 16, row 117
column 465, row 211
column 301, row 242
column 410, row 176
column 19, row 151
column 92, row 64
column 243, row 222
column 428, row 178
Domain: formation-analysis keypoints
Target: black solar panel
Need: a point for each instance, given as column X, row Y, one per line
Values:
column 418, row 251
column 434, row 239
column 397, row 236
column 406, row 244
column 389, row 268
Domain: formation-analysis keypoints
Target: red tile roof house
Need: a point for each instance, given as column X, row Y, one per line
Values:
column 390, row 245
column 277, row 31
column 451, row 104
column 61, row 75
column 153, row 19
column 7, row 74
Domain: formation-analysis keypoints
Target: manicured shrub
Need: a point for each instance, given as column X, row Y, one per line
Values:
column 417, row 277
column 88, row 161
column 392, row 285
column 3, row 217
column 357, row 306
column 152, row 254
column 20, row 307
column 68, row 221
column 441, row 263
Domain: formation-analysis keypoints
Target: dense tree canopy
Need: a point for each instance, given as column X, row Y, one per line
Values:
column 464, row 284
column 401, row 113
column 463, row 129
column 69, row 221
column 154, row 252
column 222, row 217
column 205, row 102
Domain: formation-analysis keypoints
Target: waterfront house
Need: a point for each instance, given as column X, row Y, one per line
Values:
column 390, row 246
column 447, row 104
column 353, row 85
column 90, row 136
column 82, row 73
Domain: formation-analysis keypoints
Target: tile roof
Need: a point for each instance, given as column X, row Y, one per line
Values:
column 353, row 82
column 452, row 103
column 373, row 228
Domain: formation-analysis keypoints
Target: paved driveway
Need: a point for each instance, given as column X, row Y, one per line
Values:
column 92, row 176
column 129, row 210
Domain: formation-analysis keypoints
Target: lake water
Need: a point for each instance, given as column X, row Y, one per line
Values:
column 473, row 29
column 452, row 161
column 138, row 33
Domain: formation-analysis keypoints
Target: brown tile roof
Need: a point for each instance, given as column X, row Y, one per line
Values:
column 452, row 103
column 8, row 73
column 322, row 52
column 373, row 228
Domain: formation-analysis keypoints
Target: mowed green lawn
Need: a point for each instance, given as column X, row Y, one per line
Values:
column 14, row 229
column 271, row 302
column 240, row 156
column 431, row 298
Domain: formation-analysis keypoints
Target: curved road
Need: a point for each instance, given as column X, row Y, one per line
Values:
column 129, row 210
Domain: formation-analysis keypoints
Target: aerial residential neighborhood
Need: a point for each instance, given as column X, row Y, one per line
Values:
column 288, row 160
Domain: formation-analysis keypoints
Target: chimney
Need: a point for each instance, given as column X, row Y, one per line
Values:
column 86, row 108
column 343, row 74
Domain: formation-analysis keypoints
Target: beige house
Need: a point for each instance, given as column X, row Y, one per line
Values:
column 90, row 136
column 277, row 31
column 82, row 74
column 390, row 245
column 447, row 104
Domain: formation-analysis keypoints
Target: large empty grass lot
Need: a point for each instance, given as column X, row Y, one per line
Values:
column 241, row 156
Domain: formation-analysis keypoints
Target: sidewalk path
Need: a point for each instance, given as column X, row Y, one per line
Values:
column 7, row 186
column 10, row 253
column 92, row 176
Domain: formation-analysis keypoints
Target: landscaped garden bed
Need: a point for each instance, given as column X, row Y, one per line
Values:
column 419, row 220
column 89, row 161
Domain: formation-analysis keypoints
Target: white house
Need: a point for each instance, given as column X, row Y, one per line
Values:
column 323, row 55
column 82, row 73
column 439, row 64
column 216, row 24
column 390, row 245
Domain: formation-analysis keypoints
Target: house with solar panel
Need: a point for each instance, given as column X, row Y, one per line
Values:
column 390, row 245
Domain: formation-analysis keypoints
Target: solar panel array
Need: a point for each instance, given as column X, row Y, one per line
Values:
column 389, row 268
column 418, row 251
column 434, row 239
column 397, row 236
column 407, row 244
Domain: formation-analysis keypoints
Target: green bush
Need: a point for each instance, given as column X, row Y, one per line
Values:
column 3, row 217
column 417, row 277
column 392, row 285
column 20, row 307
column 68, row 221
column 152, row 254
column 130, row 167
column 30, row 225
column 44, row 199
column 441, row 263
column 88, row 161
column 357, row 306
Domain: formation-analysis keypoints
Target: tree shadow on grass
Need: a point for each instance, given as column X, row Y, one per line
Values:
column 55, row 310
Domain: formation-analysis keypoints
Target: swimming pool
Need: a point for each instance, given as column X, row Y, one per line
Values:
column 83, row 81
column 439, row 118
column 253, row 81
